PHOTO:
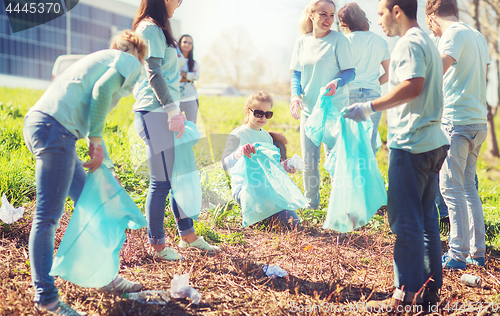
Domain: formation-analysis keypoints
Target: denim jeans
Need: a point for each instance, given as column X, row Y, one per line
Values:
column 58, row 172
column 458, row 186
column 365, row 95
column 153, row 129
column 413, row 218
column 311, row 155
column 190, row 108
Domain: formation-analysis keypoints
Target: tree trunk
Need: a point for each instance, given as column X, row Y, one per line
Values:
column 491, row 141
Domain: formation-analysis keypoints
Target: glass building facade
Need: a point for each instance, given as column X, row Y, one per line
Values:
column 31, row 53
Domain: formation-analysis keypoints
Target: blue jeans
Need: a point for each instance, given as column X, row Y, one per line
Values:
column 413, row 218
column 458, row 186
column 58, row 172
column 365, row 95
column 190, row 108
column 153, row 129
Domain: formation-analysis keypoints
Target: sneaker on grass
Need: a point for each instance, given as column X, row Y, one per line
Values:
column 168, row 254
column 120, row 285
column 201, row 244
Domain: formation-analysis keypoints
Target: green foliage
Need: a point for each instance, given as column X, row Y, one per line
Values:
column 219, row 116
column 225, row 214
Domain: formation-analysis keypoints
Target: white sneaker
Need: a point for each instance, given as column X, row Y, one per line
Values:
column 201, row 244
column 168, row 254
column 121, row 285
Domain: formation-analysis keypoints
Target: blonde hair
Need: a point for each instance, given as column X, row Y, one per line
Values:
column 130, row 42
column 254, row 98
column 305, row 23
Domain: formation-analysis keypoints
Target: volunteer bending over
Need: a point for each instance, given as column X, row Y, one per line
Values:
column 74, row 107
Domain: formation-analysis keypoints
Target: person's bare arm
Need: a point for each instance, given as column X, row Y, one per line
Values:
column 402, row 93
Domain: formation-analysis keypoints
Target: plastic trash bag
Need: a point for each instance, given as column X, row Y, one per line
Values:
column 88, row 255
column 186, row 185
column 267, row 189
column 322, row 124
column 180, row 288
column 358, row 189
column 8, row 213
column 274, row 271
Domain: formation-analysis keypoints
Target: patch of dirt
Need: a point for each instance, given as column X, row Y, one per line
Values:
column 329, row 273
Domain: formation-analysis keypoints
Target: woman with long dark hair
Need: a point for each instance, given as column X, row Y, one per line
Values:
column 190, row 71
column 369, row 51
column 157, row 117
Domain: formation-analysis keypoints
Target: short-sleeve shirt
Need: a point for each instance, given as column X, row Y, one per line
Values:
column 245, row 135
column 464, row 83
column 68, row 97
column 157, row 48
column 368, row 52
column 416, row 126
column 320, row 60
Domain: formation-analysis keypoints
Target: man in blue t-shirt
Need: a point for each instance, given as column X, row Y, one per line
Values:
column 418, row 149
column 464, row 53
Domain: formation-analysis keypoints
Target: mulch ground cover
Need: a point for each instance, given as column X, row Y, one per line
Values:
column 329, row 274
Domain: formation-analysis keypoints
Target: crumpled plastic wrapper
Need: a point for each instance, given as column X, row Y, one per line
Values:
column 180, row 288
column 296, row 162
column 9, row 214
column 274, row 271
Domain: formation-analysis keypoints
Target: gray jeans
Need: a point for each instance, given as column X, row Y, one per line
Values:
column 458, row 187
column 190, row 108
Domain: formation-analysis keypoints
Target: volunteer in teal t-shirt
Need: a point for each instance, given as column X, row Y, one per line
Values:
column 321, row 58
column 418, row 148
column 157, row 116
column 369, row 52
column 464, row 53
column 74, row 107
column 241, row 141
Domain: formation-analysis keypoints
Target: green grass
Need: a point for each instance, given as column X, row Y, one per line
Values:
column 219, row 116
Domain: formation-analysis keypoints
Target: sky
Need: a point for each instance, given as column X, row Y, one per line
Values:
column 272, row 26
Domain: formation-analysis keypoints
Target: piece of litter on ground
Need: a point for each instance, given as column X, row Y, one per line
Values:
column 149, row 297
column 180, row 288
column 296, row 162
column 274, row 271
column 9, row 214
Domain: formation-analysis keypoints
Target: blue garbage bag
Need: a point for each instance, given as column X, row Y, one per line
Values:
column 89, row 253
column 186, row 185
column 323, row 124
column 267, row 189
column 358, row 189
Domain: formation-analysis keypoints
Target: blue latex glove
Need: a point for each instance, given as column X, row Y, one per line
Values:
column 358, row 111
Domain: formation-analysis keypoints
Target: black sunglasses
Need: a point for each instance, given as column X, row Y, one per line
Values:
column 260, row 114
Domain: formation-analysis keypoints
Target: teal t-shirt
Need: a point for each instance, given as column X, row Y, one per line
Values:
column 68, row 98
column 464, row 83
column 245, row 135
column 320, row 60
column 416, row 126
column 368, row 52
column 157, row 47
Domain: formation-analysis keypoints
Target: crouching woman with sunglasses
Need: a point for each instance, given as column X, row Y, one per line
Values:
column 241, row 143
